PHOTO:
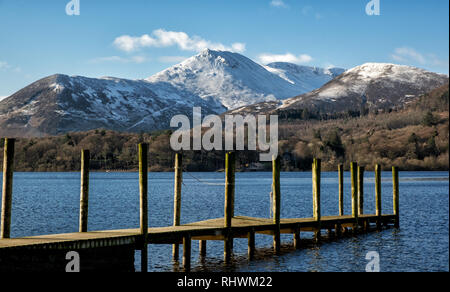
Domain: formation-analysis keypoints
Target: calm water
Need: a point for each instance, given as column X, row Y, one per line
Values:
column 46, row 203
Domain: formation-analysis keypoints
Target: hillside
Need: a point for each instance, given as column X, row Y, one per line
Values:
column 59, row 104
column 214, row 80
column 371, row 87
column 413, row 138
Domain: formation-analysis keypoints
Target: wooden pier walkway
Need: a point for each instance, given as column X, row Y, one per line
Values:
column 204, row 230
column 46, row 252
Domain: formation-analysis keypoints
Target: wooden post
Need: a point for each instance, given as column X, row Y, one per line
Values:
column 297, row 238
column 187, row 253
column 341, row 189
column 143, row 194
column 396, row 197
column 316, row 187
column 230, row 164
column 360, row 190
column 338, row 229
column 177, row 200
column 230, row 167
column 8, row 173
column 276, row 166
column 202, row 248
column 378, row 194
column 84, row 192
column 316, row 195
column 251, row 244
column 233, row 183
column 354, row 179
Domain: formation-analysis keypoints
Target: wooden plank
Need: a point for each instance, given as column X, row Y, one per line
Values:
column 209, row 237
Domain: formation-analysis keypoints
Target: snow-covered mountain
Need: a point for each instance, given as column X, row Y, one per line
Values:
column 233, row 80
column 59, row 104
column 370, row 86
column 214, row 80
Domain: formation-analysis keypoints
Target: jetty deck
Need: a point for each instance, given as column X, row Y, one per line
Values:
column 203, row 230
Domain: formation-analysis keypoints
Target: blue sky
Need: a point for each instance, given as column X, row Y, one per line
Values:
column 135, row 39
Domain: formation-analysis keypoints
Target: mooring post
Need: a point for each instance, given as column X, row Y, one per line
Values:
column 143, row 194
column 230, row 166
column 396, row 196
column 354, row 179
column 251, row 244
column 8, row 173
column 233, row 196
column 317, row 168
column 202, row 248
column 84, row 192
column 187, row 253
column 177, row 200
column 276, row 167
column 341, row 189
column 338, row 229
column 378, row 194
column 360, row 190
column 297, row 238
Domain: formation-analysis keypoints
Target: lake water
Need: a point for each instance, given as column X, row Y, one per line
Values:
column 46, row 203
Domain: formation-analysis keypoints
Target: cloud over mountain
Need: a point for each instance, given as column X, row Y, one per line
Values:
column 288, row 57
column 161, row 38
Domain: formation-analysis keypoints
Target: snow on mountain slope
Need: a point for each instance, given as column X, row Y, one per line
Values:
column 232, row 80
column 306, row 78
column 59, row 104
column 370, row 86
column 213, row 80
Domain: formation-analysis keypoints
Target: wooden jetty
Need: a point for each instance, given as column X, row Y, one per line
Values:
column 115, row 249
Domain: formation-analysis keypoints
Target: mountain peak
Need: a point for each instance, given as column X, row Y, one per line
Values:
column 232, row 80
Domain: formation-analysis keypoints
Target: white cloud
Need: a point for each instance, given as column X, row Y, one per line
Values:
column 407, row 55
column 4, row 65
column 161, row 38
column 288, row 57
column 172, row 59
column 118, row 59
column 404, row 54
column 278, row 3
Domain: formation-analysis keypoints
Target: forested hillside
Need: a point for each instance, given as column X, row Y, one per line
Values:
column 413, row 138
